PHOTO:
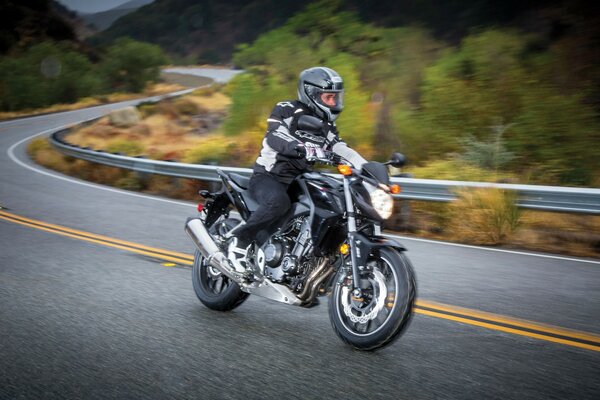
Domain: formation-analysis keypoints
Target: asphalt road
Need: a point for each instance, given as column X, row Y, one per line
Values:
column 81, row 320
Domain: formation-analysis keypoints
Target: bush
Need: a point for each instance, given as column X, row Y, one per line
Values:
column 128, row 65
column 484, row 216
column 213, row 150
column 45, row 74
column 456, row 169
column 129, row 182
column 186, row 106
column 126, row 147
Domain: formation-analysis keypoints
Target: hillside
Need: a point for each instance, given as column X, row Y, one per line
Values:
column 202, row 30
column 208, row 31
column 79, row 25
column 23, row 24
column 104, row 19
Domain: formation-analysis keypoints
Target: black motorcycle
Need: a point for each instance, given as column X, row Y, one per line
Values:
column 329, row 244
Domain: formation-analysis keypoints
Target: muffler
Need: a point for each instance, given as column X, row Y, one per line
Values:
column 196, row 230
column 215, row 258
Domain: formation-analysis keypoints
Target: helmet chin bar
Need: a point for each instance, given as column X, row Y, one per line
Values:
column 327, row 114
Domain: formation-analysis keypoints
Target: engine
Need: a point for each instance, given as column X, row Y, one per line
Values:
column 283, row 258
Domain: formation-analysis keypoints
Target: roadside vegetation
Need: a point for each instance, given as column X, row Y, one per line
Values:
column 500, row 99
column 50, row 76
column 190, row 129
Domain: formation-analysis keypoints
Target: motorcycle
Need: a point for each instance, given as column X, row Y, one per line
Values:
column 328, row 244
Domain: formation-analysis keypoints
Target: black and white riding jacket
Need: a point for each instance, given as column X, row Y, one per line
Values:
column 279, row 157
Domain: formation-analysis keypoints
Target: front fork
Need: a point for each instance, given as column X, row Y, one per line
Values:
column 354, row 243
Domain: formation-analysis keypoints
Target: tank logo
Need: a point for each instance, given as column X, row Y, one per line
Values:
column 310, row 136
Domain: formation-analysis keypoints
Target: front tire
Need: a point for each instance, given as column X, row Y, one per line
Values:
column 385, row 309
column 213, row 289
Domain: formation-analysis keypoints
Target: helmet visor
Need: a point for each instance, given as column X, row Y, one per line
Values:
column 332, row 99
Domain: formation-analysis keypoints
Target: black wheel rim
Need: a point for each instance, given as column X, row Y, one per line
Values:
column 213, row 281
column 380, row 284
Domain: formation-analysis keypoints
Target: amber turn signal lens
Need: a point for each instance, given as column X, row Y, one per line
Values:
column 395, row 189
column 345, row 248
column 345, row 169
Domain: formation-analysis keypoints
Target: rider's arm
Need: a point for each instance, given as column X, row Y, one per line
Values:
column 278, row 136
column 340, row 148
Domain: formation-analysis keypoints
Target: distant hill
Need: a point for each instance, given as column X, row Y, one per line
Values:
column 81, row 27
column 208, row 30
column 104, row 19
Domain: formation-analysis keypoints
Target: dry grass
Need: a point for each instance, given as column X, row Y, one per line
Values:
column 571, row 233
column 152, row 90
column 466, row 221
column 483, row 216
column 168, row 130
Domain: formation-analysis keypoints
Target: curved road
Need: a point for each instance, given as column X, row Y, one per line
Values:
column 81, row 318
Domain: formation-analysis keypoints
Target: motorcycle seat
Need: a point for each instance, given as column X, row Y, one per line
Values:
column 240, row 180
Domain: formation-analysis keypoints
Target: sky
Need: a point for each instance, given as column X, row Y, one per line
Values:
column 91, row 6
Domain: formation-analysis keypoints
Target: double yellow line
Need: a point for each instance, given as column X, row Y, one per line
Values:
column 482, row 319
column 515, row 326
column 161, row 254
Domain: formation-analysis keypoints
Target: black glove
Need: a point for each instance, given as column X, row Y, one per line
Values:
column 301, row 150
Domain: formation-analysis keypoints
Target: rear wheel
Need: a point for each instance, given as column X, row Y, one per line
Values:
column 382, row 312
column 213, row 289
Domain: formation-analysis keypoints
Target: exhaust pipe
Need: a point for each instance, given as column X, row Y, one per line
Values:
column 209, row 249
column 215, row 258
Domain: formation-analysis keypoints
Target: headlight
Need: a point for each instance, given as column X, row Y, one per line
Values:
column 382, row 202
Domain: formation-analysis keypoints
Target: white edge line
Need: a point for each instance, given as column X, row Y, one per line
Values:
column 468, row 246
column 12, row 156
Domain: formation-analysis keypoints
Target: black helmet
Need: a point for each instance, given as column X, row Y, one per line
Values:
column 314, row 83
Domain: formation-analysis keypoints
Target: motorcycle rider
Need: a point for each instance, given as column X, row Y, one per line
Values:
column 283, row 155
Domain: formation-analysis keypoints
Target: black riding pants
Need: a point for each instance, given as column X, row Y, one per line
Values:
column 274, row 203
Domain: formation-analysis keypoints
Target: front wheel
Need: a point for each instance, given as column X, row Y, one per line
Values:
column 383, row 310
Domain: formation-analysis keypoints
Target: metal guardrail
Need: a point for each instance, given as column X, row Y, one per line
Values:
column 548, row 198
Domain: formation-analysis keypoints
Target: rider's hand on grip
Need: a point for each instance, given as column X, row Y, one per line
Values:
column 301, row 150
column 311, row 151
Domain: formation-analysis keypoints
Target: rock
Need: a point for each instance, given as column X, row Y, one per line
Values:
column 124, row 117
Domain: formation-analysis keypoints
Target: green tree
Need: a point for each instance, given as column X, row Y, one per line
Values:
column 129, row 65
column 44, row 74
column 492, row 77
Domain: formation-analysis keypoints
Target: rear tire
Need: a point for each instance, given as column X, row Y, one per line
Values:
column 385, row 311
column 213, row 289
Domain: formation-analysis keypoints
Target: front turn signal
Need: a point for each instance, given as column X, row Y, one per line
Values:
column 344, row 169
column 395, row 189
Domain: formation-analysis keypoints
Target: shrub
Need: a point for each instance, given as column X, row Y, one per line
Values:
column 129, row 182
column 491, row 155
column 126, row 147
column 45, row 74
column 456, row 169
column 213, row 150
column 187, row 107
column 484, row 216
column 147, row 109
column 128, row 64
